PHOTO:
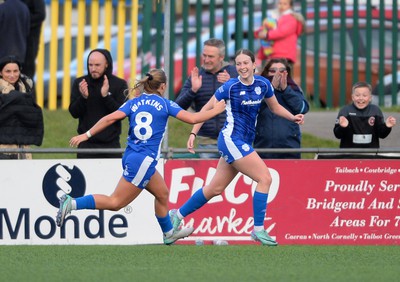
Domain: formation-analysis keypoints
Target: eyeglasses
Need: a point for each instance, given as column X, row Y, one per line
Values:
column 274, row 70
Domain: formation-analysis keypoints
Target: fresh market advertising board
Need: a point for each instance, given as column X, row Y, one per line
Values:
column 313, row 202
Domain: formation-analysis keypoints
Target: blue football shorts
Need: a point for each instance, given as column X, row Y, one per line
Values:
column 138, row 168
column 232, row 150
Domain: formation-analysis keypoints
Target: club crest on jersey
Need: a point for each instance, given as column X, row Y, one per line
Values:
column 245, row 147
column 257, row 90
column 371, row 121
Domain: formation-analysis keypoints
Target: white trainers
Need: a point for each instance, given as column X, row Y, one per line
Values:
column 65, row 208
column 178, row 234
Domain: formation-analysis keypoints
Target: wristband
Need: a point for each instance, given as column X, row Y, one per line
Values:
column 88, row 134
column 192, row 133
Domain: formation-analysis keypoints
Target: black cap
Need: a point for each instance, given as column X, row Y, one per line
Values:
column 10, row 59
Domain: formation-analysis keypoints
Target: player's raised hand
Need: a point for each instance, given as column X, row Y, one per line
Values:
column 190, row 143
column 76, row 140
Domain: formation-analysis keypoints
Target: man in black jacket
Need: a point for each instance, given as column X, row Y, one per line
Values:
column 37, row 11
column 14, row 28
column 96, row 95
column 201, row 86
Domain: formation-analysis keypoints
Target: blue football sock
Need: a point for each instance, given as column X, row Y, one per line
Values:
column 165, row 223
column 85, row 202
column 195, row 202
column 259, row 207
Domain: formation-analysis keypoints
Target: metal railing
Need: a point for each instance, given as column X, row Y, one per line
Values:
column 170, row 152
column 342, row 43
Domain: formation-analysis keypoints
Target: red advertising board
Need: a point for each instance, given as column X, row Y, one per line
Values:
column 317, row 202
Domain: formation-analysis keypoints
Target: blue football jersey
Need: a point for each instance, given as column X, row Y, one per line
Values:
column 148, row 116
column 242, row 106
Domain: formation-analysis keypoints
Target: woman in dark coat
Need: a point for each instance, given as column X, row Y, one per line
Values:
column 21, row 119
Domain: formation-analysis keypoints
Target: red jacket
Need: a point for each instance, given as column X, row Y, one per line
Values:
column 284, row 38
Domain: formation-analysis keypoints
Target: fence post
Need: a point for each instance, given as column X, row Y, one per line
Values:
column 171, row 49
column 66, row 81
column 238, row 25
column 303, row 51
column 329, row 74
column 395, row 48
column 146, row 35
column 134, row 29
column 167, row 58
column 317, row 35
column 342, row 98
column 356, row 42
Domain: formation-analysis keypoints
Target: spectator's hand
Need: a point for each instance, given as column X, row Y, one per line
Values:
column 223, row 76
column 283, row 80
column 390, row 121
column 343, row 122
column 196, row 80
column 262, row 34
column 83, row 88
column 276, row 81
column 105, row 87
column 279, row 80
column 190, row 143
column 299, row 119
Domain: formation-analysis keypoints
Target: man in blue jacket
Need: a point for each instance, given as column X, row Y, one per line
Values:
column 200, row 87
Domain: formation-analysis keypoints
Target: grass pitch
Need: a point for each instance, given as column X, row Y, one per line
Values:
column 199, row 263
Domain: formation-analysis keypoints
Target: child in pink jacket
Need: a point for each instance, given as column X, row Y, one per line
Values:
column 283, row 38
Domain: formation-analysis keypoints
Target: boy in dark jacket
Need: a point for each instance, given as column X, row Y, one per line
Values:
column 361, row 124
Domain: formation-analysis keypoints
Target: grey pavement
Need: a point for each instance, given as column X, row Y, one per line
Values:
column 320, row 124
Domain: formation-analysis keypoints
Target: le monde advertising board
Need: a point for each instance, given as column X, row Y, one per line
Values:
column 317, row 202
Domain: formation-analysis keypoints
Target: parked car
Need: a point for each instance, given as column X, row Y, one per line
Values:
column 387, row 90
column 350, row 40
column 310, row 37
column 180, row 75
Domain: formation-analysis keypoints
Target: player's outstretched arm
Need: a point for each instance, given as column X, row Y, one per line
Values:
column 277, row 109
column 103, row 123
column 212, row 104
column 215, row 108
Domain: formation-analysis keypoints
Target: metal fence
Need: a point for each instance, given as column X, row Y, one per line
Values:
column 173, row 153
column 343, row 42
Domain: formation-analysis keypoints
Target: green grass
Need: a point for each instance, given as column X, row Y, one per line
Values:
column 199, row 263
column 189, row 262
column 60, row 127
